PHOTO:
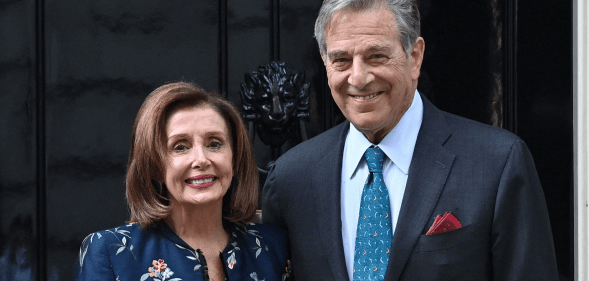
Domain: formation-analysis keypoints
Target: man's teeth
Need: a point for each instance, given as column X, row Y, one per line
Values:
column 200, row 181
column 366, row 97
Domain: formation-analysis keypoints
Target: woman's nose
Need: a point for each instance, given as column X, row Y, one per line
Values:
column 199, row 158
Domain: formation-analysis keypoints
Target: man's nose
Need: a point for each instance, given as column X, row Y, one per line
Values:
column 199, row 158
column 360, row 75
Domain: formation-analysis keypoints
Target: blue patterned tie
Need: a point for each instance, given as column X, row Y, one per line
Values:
column 374, row 234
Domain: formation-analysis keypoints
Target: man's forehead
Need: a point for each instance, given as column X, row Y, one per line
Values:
column 346, row 25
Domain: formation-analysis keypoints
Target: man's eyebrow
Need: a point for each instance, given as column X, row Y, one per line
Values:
column 374, row 48
column 379, row 48
column 336, row 54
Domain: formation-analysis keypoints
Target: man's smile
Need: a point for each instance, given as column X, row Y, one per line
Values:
column 366, row 97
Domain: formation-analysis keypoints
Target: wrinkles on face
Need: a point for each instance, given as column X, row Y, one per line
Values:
column 369, row 74
column 198, row 166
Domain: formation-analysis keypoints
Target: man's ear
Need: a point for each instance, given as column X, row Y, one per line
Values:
column 322, row 57
column 417, row 57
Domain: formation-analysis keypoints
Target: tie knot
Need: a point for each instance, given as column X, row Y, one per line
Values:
column 375, row 157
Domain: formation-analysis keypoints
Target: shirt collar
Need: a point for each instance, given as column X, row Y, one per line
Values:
column 398, row 144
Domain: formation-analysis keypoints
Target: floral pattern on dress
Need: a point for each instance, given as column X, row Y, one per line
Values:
column 160, row 271
column 123, row 243
column 254, row 276
column 231, row 261
column 194, row 257
column 255, row 252
column 242, row 227
column 286, row 275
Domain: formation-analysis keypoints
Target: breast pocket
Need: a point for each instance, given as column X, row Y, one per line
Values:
column 446, row 240
column 462, row 254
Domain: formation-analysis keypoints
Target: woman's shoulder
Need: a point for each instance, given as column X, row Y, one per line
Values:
column 259, row 235
column 258, row 230
column 98, row 246
column 113, row 236
column 258, row 249
column 119, row 233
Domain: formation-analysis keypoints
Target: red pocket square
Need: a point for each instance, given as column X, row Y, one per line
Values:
column 445, row 223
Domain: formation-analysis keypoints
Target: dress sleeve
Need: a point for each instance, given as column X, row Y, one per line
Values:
column 93, row 262
column 522, row 244
column 275, row 241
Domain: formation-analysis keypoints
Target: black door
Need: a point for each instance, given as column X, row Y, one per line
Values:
column 74, row 73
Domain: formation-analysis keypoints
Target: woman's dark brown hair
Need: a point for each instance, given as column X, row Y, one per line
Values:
column 146, row 192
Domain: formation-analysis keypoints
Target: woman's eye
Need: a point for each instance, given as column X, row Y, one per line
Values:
column 215, row 144
column 180, row 147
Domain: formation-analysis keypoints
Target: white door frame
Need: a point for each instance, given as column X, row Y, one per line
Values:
column 581, row 139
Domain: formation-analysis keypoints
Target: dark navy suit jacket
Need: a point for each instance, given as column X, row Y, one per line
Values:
column 484, row 175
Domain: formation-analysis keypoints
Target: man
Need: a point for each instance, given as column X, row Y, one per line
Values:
column 481, row 180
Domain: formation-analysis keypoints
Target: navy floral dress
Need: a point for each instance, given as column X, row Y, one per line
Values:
column 128, row 253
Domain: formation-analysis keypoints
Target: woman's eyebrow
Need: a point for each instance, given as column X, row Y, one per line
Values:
column 215, row 134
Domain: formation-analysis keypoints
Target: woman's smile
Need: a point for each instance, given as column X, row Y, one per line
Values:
column 201, row 182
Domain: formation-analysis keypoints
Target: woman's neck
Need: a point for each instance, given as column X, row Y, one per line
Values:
column 199, row 226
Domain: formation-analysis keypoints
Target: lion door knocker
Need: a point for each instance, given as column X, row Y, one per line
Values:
column 275, row 100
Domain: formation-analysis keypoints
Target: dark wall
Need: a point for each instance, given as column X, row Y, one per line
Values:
column 74, row 73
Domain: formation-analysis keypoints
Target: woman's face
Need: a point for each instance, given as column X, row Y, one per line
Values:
column 199, row 159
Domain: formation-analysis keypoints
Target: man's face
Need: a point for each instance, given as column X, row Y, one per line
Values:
column 371, row 79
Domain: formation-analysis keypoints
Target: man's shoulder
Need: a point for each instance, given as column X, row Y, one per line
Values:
column 472, row 128
column 436, row 120
column 470, row 136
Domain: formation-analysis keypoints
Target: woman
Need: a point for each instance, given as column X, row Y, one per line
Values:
column 192, row 188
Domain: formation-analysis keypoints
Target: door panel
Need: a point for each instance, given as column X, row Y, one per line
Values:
column 545, row 112
column 74, row 73
column 18, row 136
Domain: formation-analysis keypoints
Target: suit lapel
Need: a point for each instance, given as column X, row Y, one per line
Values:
column 430, row 166
column 328, row 201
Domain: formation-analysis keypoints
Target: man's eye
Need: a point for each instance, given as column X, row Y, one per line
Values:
column 377, row 56
column 339, row 60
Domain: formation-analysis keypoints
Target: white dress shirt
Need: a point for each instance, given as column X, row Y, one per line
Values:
column 398, row 145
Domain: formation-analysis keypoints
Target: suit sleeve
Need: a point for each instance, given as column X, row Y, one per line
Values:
column 271, row 205
column 93, row 262
column 522, row 244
